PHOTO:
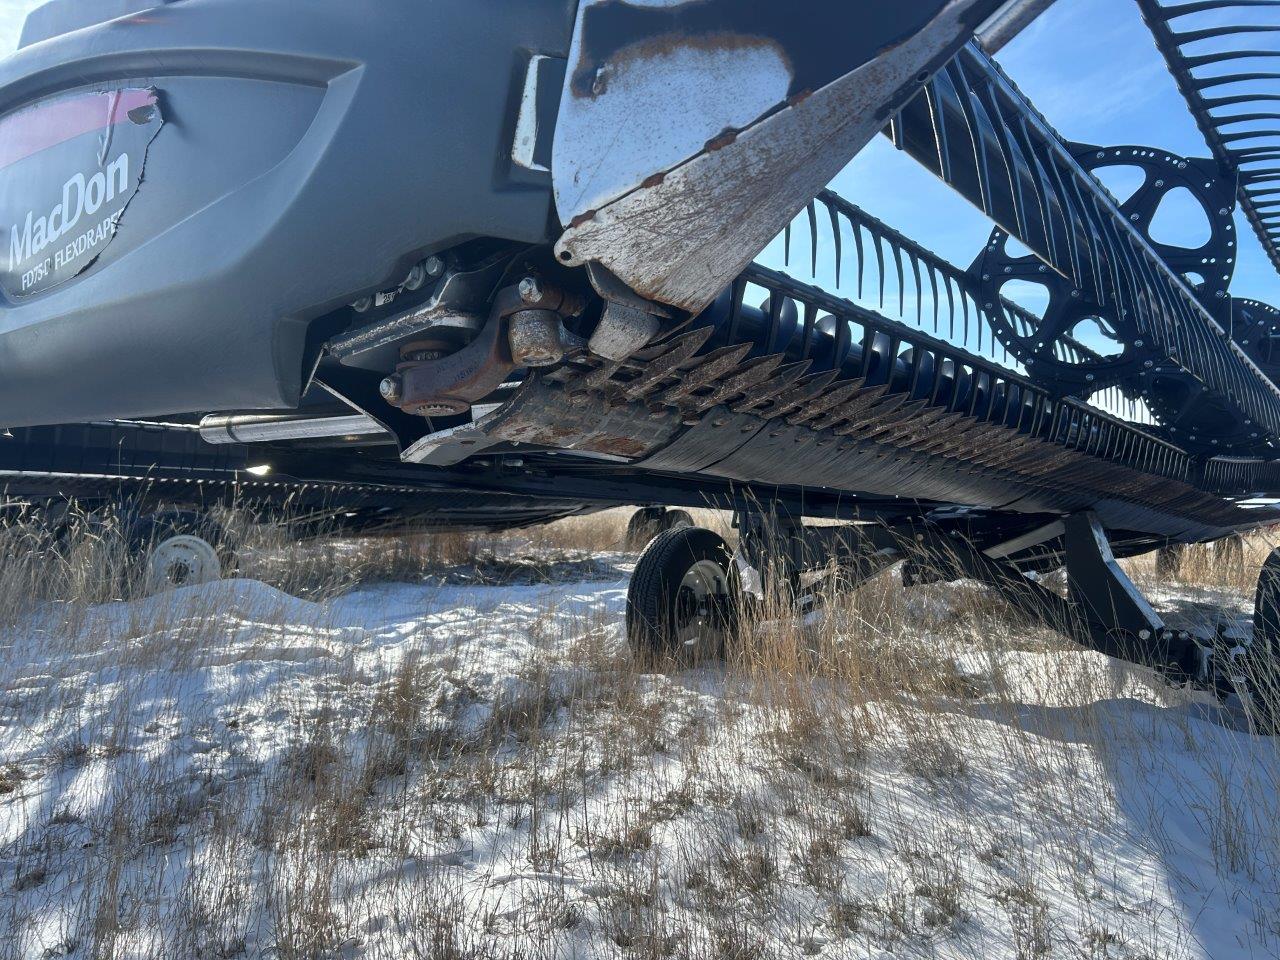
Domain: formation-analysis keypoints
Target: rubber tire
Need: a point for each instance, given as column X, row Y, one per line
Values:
column 1169, row 561
column 1264, row 652
column 674, row 519
column 145, row 532
column 651, row 627
column 644, row 525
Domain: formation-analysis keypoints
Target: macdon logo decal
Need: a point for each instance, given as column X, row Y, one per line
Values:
column 82, row 198
column 70, row 169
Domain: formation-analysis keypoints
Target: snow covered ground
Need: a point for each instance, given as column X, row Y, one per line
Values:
column 444, row 771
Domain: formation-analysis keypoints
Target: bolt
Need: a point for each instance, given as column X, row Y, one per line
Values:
column 1144, row 634
column 433, row 266
column 1159, row 183
column 416, row 278
column 362, row 305
column 1133, row 217
column 530, row 290
column 389, row 388
column 1148, row 364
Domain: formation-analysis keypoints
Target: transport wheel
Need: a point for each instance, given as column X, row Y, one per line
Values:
column 177, row 548
column 674, row 519
column 647, row 522
column 1169, row 561
column 643, row 527
column 682, row 595
column 1262, row 662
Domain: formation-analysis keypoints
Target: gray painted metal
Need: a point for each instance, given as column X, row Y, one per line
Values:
column 311, row 155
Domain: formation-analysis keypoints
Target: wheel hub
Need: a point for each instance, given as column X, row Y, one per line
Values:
column 181, row 561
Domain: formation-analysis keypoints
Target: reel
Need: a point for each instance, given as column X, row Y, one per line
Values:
column 1075, row 345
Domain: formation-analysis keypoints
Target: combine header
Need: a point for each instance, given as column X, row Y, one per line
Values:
column 530, row 262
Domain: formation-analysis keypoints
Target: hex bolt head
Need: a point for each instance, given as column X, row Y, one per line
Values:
column 389, row 388
column 433, row 266
column 530, row 290
column 416, row 278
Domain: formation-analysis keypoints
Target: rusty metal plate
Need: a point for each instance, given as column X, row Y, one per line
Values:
column 723, row 118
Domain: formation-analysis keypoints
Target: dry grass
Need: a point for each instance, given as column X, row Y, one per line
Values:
column 899, row 774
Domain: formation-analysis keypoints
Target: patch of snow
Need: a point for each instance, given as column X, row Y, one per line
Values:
column 1071, row 808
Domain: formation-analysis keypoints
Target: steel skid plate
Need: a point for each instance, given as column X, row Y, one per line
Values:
column 691, row 131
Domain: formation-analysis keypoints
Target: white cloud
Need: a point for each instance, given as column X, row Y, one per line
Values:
column 12, row 15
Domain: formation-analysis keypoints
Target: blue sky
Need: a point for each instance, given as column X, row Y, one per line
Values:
column 1091, row 68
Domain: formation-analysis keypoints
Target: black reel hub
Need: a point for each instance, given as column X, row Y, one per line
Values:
column 1077, row 346
column 1209, row 267
column 1255, row 327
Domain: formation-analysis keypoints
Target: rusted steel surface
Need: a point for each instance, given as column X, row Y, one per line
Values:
column 1000, row 443
column 450, row 384
column 723, row 118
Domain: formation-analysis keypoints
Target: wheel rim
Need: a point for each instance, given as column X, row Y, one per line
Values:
column 699, row 620
column 181, row 561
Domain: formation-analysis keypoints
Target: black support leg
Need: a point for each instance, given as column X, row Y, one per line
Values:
column 1120, row 621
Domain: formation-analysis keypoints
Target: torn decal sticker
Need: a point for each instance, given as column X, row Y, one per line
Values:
column 68, row 170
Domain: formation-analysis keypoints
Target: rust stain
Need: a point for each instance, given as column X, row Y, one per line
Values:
column 585, row 217
column 726, row 136
column 591, row 79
